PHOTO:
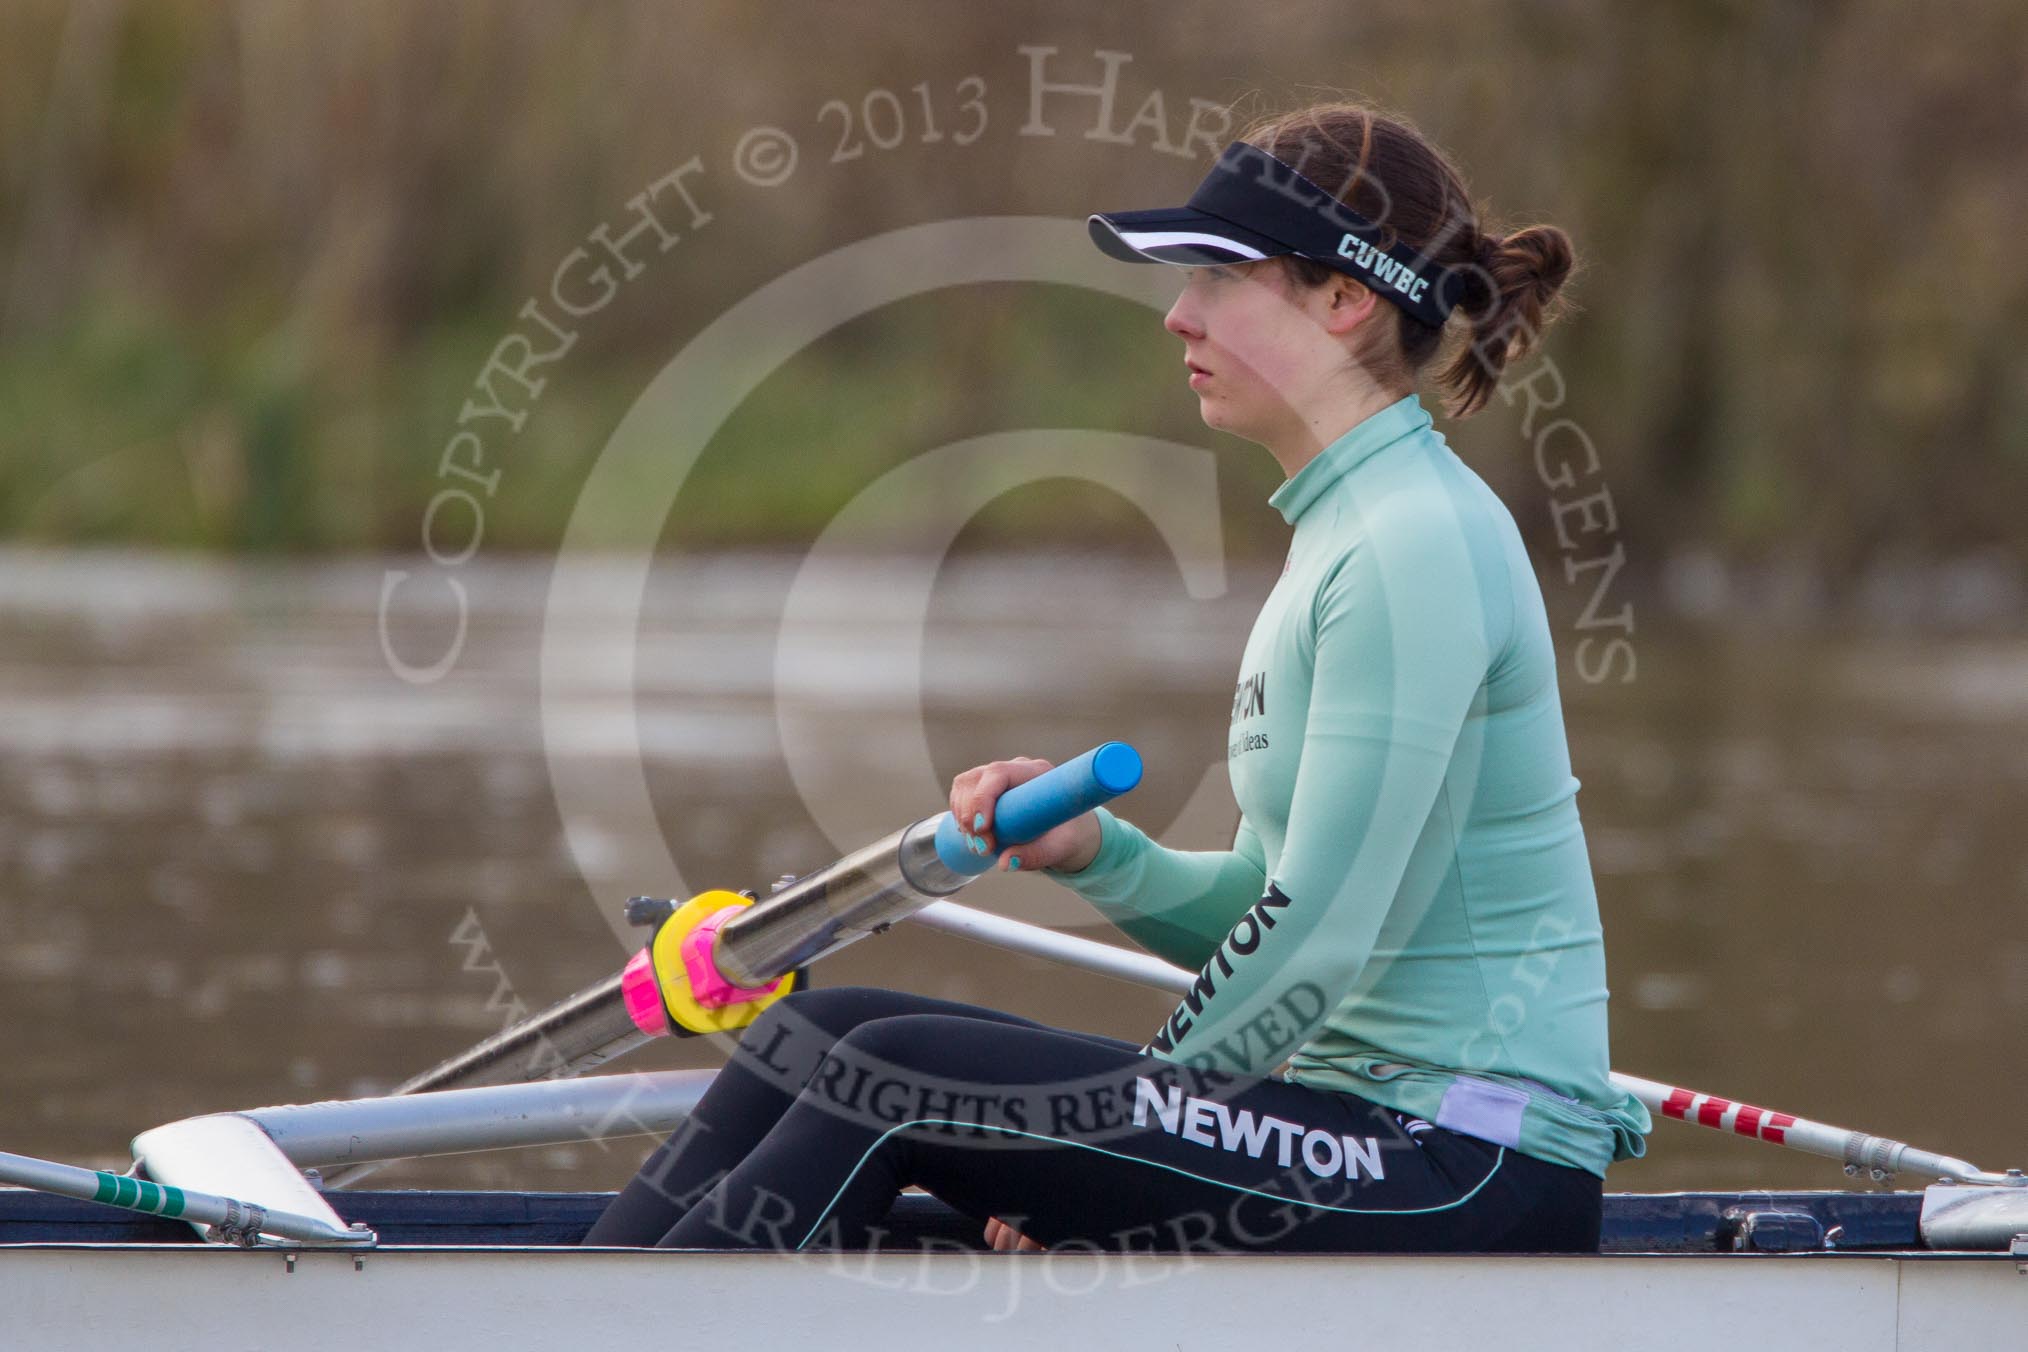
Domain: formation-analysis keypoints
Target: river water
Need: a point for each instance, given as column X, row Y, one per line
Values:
column 243, row 862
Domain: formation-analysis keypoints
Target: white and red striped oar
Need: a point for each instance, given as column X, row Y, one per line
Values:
column 1877, row 1156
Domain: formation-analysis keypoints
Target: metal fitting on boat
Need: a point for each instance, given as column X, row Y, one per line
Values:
column 1973, row 1216
column 642, row 912
column 241, row 1226
column 1754, row 1231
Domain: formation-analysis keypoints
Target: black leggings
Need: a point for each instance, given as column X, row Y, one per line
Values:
column 837, row 1099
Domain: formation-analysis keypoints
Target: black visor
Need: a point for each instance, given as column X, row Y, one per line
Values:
column 1254, row 206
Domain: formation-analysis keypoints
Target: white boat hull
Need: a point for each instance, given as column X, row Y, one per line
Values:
column 158, row 1298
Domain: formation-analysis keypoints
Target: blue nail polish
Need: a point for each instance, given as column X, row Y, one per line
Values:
column 978, row 821
column 1014, row 861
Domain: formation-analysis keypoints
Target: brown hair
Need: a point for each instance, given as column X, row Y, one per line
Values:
column 1507, row 287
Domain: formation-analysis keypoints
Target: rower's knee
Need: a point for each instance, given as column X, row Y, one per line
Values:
column 901, row 1040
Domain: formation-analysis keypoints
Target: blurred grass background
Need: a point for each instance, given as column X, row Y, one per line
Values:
column 253, row 255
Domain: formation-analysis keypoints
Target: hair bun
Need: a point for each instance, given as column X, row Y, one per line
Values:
column 1545, row 252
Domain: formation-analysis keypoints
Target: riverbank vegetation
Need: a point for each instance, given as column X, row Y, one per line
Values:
column 255, row 257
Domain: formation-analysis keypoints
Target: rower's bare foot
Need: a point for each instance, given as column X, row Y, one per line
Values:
column 1006, row 1239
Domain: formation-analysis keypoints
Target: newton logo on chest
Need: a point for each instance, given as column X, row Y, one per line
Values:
column 1249, row 699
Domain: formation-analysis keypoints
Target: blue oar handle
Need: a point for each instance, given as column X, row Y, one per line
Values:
column 1044, row 802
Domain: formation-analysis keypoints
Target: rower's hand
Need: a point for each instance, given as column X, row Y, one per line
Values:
column 1069, row 847
column 1006, row 1239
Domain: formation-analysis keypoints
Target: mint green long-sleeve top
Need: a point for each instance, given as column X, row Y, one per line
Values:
column 1407, row 910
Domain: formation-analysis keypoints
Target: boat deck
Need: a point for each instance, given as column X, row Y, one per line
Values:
column 1881, row 1223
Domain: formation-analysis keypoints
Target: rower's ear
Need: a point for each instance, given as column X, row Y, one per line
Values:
column 1347, row 304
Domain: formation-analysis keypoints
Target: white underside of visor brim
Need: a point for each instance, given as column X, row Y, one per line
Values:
column 1144, row 240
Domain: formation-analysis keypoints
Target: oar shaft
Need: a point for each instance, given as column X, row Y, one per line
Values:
column 586, row 1030
column 1016, row 936
column 816, row 915
column 862, row 893
column 232, row 1217
column 822, row 912
column 1878, row 1156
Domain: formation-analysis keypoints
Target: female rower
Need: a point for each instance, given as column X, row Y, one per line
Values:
column 1397, row 1038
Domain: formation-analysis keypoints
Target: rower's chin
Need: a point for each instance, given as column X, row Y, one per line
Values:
column 1214, row 412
